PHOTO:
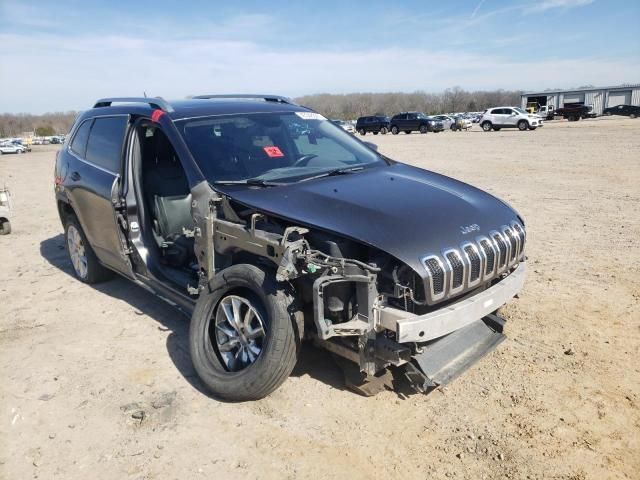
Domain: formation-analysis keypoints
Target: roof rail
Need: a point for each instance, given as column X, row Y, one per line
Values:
column 153, row 102
column 266, row 98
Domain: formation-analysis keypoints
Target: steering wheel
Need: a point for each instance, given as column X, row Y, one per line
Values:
column 303, row 160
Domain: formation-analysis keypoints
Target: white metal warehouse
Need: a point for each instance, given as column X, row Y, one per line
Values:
column 599, row 97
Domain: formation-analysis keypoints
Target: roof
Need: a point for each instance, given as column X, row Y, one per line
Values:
column 587, row 89
column 198, row 106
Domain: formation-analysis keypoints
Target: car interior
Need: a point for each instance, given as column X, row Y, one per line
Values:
column 167, row 200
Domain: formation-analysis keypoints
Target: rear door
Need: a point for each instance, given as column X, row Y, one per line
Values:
column 510, row 117
column 94, row 187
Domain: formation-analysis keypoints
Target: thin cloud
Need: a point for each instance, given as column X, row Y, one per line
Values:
column 475, row 10
column 94, row 66
column 551, row 4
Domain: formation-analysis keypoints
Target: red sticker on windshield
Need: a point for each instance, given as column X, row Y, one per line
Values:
column 273, row 152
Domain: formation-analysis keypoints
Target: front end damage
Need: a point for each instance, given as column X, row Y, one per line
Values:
column 364, row 305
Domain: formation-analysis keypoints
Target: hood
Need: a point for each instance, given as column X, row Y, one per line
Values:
column 399, row 209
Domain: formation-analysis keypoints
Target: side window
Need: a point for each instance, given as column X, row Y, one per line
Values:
column 79, row 143
column 507, row 111
column 497, row 111
column 105, row 142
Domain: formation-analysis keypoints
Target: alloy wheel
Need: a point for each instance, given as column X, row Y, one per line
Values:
column 239, row 332
column 77, row 251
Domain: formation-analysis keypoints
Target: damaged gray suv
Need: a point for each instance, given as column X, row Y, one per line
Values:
column 268, row 224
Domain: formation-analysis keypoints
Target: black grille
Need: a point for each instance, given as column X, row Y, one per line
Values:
column 520, row 233
column 502, row 248
column 474, row 258
column 457, row 268
column 437, row 275
column 513, row 241
column 491, row 258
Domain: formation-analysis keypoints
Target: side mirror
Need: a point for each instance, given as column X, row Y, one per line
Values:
column 371, row 145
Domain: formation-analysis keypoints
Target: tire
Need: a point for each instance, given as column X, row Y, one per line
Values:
column 423, row 129
column 408, row 132
column 375, row 133
column 497, row 129
column 395, row 130
column 5, row 226
column 89, row 270
column 486, row 126
column 280, row 339
column 384, row 130
column 632, row 115
column 523, row 125
column 362, row 132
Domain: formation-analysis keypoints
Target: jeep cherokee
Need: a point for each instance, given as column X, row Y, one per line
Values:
column 267, row 223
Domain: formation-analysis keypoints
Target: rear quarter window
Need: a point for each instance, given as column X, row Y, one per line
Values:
column 79, row 142
column 104, row 148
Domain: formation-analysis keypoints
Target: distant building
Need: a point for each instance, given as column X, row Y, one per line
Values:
column 599, row 97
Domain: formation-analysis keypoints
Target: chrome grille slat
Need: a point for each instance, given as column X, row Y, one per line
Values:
column 471, row 263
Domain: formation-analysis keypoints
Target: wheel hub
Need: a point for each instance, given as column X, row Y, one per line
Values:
column 239, row 332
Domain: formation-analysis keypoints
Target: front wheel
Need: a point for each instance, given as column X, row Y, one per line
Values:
column 245, row 334
column 384, row 130
column 486, row 126
column 423, row 129
column 523, row 125
column 395, row 130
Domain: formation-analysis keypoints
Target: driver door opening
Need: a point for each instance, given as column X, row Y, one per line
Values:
column 164, row 198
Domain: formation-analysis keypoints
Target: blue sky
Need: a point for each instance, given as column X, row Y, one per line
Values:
column 63, row 55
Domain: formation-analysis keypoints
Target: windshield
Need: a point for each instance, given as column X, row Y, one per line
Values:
column 518, row 109
column 273, row 147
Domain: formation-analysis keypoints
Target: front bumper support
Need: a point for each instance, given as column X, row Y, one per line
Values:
column 422, row 328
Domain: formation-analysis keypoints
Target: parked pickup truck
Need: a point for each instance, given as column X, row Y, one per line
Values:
column 268, row 224
column 575, row 111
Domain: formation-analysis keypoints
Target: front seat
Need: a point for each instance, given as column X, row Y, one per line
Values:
column 168, row 195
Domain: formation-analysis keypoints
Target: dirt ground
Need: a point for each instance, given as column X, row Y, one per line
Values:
column 559, row 399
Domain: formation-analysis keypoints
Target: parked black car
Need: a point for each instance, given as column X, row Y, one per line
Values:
column 408, row 122
column 374, row 124
column 269, row 224
column 631, row 111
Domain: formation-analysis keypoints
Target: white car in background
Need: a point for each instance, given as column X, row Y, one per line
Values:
column 509, row 117
column 11, row 148
column 346, row 126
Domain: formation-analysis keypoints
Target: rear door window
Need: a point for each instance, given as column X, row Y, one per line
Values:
column 79, row 142
column 104, row 148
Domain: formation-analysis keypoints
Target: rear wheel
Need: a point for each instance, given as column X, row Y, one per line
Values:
column 362, row 132
column 244, row 335
column 523, row 125
column 384, row 130
column 86, row 266
column 5, row 226
column 486, row 126
column 395, row 130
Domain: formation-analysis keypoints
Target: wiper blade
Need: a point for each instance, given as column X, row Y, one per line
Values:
column 253, row 182
column 334, row 172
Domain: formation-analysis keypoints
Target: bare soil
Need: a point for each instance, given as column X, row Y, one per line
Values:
column 96, row 382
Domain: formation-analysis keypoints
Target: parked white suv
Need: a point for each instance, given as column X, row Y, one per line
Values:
column 509, row 117
column 11, row 148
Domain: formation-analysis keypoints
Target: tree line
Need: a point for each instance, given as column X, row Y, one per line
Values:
column 350, row 106
column 15, row 124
